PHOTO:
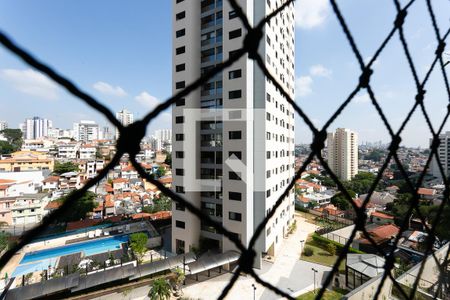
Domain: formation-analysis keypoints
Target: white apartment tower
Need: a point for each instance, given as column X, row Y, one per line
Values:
column 165, row 135
column 3, row 125
column 125, row 117
column 85, row 131
column 444, row 156
column 342, row 147
column 35, row 128
column 233, row 138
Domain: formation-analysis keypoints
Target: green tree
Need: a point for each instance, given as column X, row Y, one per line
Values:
column 138, row 244
column 4, row 240
column 61, row 168
column 6, row 148
column 341, row 202
column 162, row 203
column 159, row 290
column 160, row 172
column 361, row 183
column 79, row 208
column 13, row 137
column 168, row 159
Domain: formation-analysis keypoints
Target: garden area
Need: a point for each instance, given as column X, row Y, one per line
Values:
column 328, row 295
column 320, row 250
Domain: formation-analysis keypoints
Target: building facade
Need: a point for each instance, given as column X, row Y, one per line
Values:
column 85, row 131
column 444, row 156
column 36, row 127
column 233, row 138
column 125, row 117
column 342, row 147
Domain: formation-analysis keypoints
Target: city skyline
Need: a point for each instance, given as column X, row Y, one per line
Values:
column 141, row 80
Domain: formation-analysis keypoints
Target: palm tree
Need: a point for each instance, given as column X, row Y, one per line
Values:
column 159, row 290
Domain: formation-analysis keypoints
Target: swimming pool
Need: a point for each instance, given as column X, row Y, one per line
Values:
column 88, row 248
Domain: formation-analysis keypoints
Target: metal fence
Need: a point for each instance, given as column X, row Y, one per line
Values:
column 131, row 136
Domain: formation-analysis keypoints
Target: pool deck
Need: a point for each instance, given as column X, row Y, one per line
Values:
column 130, row 228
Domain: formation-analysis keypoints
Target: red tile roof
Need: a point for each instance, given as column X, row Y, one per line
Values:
column 51, row 179
column 53, row 205
column 381, row 215
column 426, row 192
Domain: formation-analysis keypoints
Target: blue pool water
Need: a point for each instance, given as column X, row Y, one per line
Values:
column 88, row 247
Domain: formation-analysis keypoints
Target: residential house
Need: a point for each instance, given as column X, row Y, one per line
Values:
column 382, row 236
column 29, row 209
column 5, row 210
column 426, row 194
column 50, row 183
column 26, row 161
column 380, row 218
column 379, row 199
column 70, row 180
column 88, row 151
column 10, row 188
column 68, row 150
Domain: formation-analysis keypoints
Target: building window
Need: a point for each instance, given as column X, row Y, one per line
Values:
column 237, row 154
column 179, row 172
column 232, row 14
column 179, row 244
column 179, row 154
column 233, row 53
column 234, row 94
column 235, row 135
column 179, row 137
column 181, row 102
column 235, row 74
column 179, row 1
column 235, row 34
column 180, row 224
column 268, row 154
column 234, row 176
column 180, row 15
column 179, row 189
column 180, row 67
column 179, row 119
column 235, row 216
column 180, row 84
column 268, row 193
column 180, row 50
column 180, row 33
column 235, row 196
column 268, row 174
column 179, row 206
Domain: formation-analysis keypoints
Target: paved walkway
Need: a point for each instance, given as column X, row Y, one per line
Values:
column 287, row 272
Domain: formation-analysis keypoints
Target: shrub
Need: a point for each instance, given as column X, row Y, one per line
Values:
column 322, row 242
column 308, row 251
column 330, row 248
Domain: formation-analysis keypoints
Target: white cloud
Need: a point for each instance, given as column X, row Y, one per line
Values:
column 320, row 71
column 303, row 86
column 31, row 82
column 311, row 13
column 147, row 100
column 107, row 89
column 362, row 98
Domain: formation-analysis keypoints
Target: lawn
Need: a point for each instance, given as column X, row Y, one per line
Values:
column 328, row 295
column 322, row 257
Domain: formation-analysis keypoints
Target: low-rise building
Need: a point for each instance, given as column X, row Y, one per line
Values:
column 26, row 161
column 29, row 209
column 87, row 151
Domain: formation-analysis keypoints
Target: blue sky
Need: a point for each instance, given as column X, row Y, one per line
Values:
column 120, row 52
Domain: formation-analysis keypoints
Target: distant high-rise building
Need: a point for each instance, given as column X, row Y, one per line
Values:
column 35, row 128
column 85, row 131
column 105, row 133
column 165, row 135
column 444, row 156
column 3, row 125
column 236, row 132
column 125, row 117
column 342, row 147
